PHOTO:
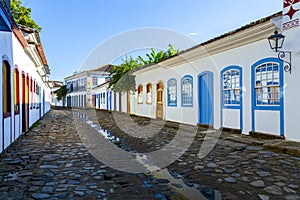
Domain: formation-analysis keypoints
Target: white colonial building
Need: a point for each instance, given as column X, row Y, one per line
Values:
column 234, row 82
column 54, row 87
column 80, row 84
column 25, row 92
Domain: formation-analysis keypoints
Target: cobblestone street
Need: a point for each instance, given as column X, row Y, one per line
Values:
column 52, row 162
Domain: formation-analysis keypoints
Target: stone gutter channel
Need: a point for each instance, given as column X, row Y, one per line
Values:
column 139, row 162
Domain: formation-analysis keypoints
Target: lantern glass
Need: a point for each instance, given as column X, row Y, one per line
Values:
column 276, row 41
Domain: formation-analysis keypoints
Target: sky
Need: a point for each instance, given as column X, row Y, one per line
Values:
column 73, row 29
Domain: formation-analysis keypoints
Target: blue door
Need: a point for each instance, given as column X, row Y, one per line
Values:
column 206, row 98
column 44, row 102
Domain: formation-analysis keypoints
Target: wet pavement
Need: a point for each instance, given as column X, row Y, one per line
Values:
column 57, row 160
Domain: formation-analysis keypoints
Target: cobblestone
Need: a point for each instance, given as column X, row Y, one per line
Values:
column 51, row 162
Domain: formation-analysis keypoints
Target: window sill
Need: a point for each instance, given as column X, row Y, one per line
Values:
column 187, row 106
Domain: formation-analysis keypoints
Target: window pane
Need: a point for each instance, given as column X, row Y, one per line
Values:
column 267, row 87
column 172, row 92
column 231, row 87
column 187, row 93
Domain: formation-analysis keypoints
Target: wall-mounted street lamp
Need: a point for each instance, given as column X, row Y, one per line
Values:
column 276, row 42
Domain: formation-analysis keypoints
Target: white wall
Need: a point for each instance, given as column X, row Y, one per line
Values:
column 103, row 104
column 6, row 54
column 20, row 60
column 292, row 95
column 244, row 56
column 124, row 102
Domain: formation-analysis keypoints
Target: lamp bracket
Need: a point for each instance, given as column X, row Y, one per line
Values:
column 286, row 57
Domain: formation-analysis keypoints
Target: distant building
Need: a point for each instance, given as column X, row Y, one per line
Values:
column 80, row 84
column 103, row 98
column 54, row 87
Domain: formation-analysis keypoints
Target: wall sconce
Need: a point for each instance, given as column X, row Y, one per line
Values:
column 276, row 42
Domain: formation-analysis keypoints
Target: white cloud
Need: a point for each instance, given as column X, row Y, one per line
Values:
column 193, row 33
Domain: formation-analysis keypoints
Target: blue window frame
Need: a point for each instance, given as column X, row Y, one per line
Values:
column 231, row 90
column 267, row 88
column 187, row 91
column 267, row 84
column 99, row 99
column 172, row 92
column 103, row 97
column 231, row 87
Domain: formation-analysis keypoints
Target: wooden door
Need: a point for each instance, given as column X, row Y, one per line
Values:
column 128, row 102
column 160, row 100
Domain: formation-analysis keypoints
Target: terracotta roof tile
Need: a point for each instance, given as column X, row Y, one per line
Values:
column 105, row 68
column 18, row 33
column 41, row 53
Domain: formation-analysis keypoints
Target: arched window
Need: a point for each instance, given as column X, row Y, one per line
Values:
column 187, row 91
column 149, row 93
column 231, row 86
column 16, row 91
column 268, row 89
column 172, row 92
column 6, row 85
column 140, row 94
column 267, row 84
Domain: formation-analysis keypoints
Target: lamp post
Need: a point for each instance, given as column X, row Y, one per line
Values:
column 276, row 42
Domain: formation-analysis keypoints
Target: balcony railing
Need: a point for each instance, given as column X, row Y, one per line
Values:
column 76, row 89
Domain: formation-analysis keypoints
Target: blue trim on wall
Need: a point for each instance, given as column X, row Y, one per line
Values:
column 110, row 101
column 6, row 25
column 99, row 100
column 104, row 99
column 279, row 108
column 221, row 98
column 107, row 100
column 6, row 58
column 212, row 96
column 240, row 106
column 173, row 103
column 187, row 77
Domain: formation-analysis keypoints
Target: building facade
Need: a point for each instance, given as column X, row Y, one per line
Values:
column 234, row 81
column 25, row 92
column 80, row 85
column 6, row 53
column 54, row 87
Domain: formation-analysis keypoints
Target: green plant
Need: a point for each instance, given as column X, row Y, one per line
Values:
column 22, row 15
column 61, row 92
